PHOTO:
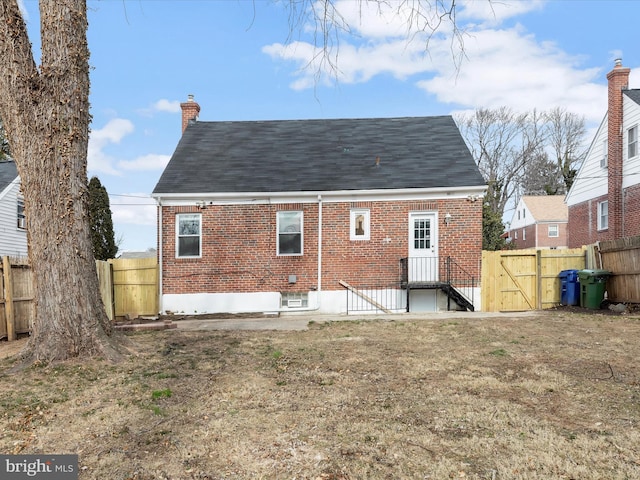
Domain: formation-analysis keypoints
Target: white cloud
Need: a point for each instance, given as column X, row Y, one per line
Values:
column 372, row 20
column 112, row 133
column 493, row 13
column 164, row 105
column 133, row 208
column 98, row 161
column 151, row 161
column 510, row 68
column 501, row 66
column 386, row 37
column 354, row 64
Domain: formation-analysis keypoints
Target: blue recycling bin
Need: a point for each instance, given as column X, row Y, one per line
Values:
column 569, row 287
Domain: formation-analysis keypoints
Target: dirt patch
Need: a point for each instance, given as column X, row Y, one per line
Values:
column 555, row 395
column 9, row 349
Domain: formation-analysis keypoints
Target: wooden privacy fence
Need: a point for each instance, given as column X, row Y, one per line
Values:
column 129, row 289
column 16, row 302
column 515, row 280
column 622, row 258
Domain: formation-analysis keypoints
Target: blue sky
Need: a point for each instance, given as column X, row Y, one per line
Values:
column 242, row 61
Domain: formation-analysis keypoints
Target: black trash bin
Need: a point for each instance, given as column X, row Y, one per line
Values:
column 569, row 287
column 593, row 284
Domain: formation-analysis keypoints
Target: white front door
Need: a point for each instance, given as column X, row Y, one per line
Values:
column 423, row 248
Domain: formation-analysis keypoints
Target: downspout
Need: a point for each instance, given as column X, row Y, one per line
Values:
column 160, row 255
column 623, row 201
column 319, row 289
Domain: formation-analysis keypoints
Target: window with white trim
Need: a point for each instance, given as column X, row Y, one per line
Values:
column 603, row 215
column 524, row 234
column 604, row 160
column 359, row 224
column 632, row 142
column 553, row 230
column 188, row 235
column 289, row 226
column 22, row 221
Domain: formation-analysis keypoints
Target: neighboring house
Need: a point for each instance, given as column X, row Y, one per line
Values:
column 149, row 253
column 284, row 216
column 604, row 200
column 539, row 221
column 13, row 227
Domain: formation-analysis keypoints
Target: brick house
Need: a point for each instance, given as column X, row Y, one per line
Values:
column 539, row 221
column 604, row 200
column 281, row 216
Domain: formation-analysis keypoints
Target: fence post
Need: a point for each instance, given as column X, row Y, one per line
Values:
column 539, row 279
column 8, row 299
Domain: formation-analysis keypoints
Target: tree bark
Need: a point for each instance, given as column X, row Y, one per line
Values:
column 45, row 111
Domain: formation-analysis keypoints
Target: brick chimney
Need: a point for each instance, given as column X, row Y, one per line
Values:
column 190, row 111
column 618, row 81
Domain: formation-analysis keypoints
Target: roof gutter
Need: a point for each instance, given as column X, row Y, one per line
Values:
column 337, row 195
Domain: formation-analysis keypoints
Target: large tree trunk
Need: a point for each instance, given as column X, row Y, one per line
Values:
column 46, row 116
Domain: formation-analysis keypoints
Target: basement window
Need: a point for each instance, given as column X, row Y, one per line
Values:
column 188, row 235
column 294, row 300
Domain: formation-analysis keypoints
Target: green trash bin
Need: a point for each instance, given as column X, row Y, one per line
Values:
column 593, row 284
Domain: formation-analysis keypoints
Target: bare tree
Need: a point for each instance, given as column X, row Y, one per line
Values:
column 541, row 177
column 566, row 136
column 422, row 18
column 45, row 110
column 553, row 170
column 502, row 142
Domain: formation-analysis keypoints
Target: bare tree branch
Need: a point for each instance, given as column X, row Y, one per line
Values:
column 423, row 19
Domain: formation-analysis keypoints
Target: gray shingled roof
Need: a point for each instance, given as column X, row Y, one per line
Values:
column 319, row 155
column 633, row 95
column 8, row 173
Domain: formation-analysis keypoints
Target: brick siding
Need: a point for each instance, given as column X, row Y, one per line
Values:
column 631, row 218
column 583, row 219
column 239, row 246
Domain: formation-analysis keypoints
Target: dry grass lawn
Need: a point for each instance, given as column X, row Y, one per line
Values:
column 556, row 396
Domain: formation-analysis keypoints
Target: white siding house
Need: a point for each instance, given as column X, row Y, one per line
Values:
column 630, row 166
column 539, row 221
column 591, row 180
column 604, row 200
column 13, row 232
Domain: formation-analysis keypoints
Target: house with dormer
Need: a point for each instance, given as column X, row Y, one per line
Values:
column 604, row 200
column 297, row 215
